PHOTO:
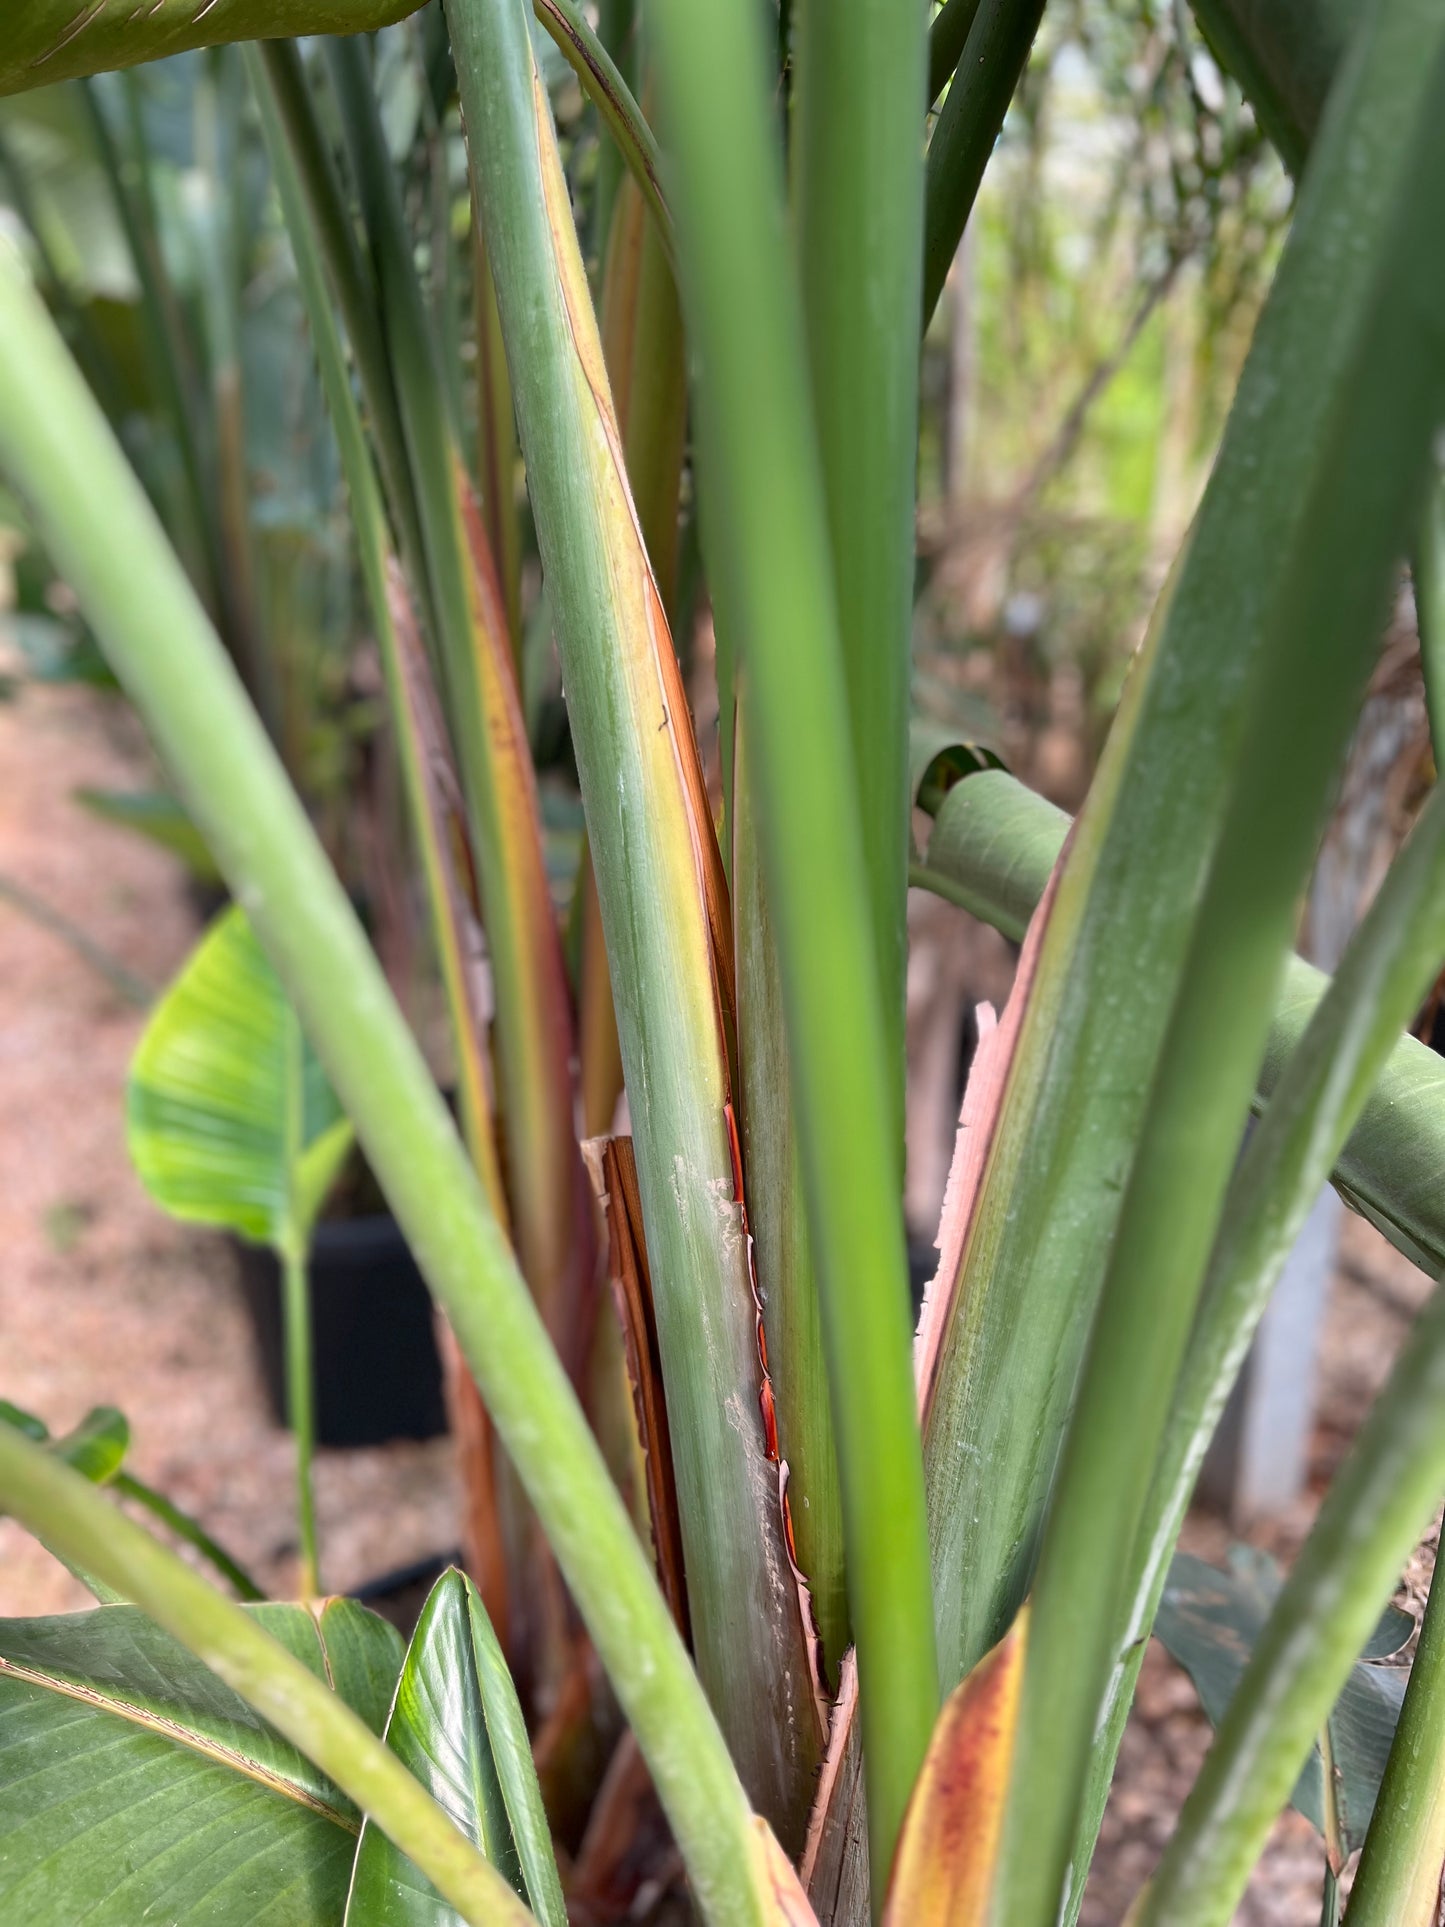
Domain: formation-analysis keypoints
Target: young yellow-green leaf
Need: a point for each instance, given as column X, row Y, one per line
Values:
column 947, row 1851
column 229, row 1118
column 456, row 1724
column 134, row 1775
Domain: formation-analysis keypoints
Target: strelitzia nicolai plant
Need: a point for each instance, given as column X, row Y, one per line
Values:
column 849, row 1526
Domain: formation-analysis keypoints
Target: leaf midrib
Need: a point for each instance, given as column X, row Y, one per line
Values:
column 184, row 1736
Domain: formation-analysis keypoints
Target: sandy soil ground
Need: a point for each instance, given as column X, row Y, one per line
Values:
column 102, row 1299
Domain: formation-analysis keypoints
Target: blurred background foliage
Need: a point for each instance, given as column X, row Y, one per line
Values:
column 1077, row 374
column 1075, row 379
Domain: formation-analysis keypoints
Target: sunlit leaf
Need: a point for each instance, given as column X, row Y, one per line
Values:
column 230, row 1119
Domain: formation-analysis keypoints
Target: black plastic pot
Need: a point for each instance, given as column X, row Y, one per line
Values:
column 378, row 1373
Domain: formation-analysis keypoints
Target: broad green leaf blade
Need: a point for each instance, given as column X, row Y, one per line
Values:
column 1292, row 558
column 157, row 815
column 50, row 40
column 664, row 910
column 457, row 1725
column 275, row 1660
column 229, row 1120
column 362, row 1654
column 516, row 1774
column 133, row 1775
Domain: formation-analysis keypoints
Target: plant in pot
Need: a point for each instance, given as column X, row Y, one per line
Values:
column 834, row 1527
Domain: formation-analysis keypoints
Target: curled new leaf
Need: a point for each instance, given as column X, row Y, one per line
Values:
column 456, row 1724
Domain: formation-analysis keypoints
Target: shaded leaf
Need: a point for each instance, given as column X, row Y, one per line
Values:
column 230, row 1120
column 135, row 1776
column 1209, row 1621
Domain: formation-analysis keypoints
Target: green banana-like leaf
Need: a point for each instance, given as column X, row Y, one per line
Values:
column 229, row 1116
column 50, row 40
column 457, row 1725
column 141, row 1787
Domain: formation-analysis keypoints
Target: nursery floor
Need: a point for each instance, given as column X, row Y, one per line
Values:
column 102, row 1301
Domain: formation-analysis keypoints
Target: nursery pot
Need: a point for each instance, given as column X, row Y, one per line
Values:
column 378, row 1373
